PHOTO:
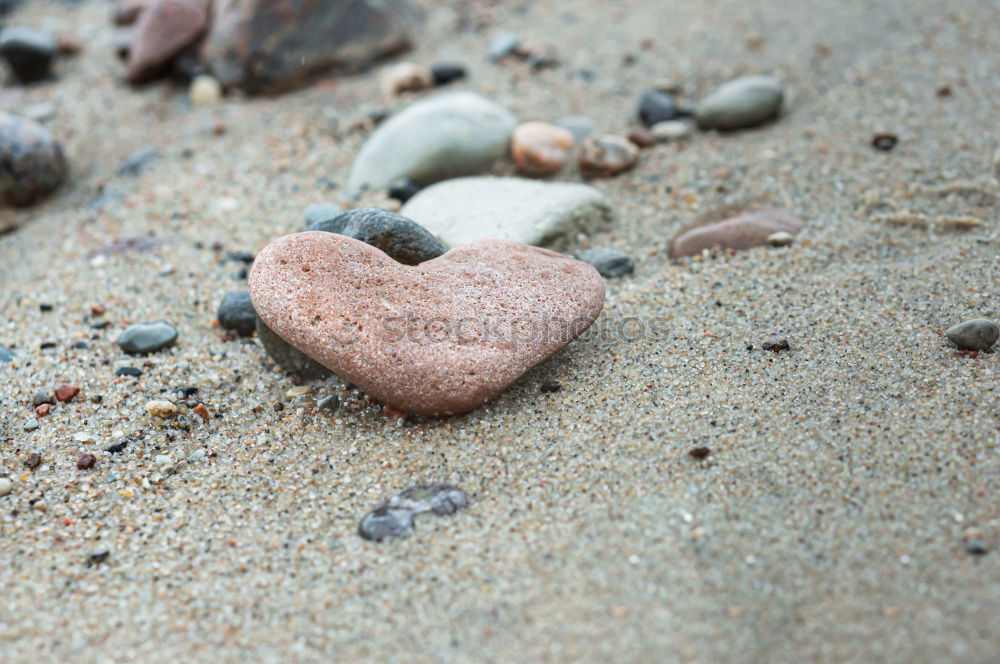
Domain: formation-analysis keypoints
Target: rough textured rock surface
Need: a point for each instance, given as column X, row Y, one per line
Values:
column 439, row 338
column 32, row 164
column 444, row 136
column 164, row 30
column 735, row 226
column 275, row 45
column 515, row 209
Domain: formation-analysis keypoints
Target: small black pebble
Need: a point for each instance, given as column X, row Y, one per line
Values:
column 976, row 547
column 884, row 142
column 45, row 307
column 749, row 346
column 550, row 386
column 47, row 344
column 97, row 398
column 446, row 72
column 128, row 371
column 403, row 189
column 278, row 407
column 81, row 345
column 241, row 275
column 117, row 447
column 240, row 257
column 186, row 391
column 97, row 557
column 700, row 452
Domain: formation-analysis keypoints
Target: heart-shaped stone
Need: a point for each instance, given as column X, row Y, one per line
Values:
column 438, row 338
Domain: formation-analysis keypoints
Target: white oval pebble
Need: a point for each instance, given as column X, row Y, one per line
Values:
column 205, row 90
column 6, row 486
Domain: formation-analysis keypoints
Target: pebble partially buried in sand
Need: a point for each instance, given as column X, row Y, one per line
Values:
column 439, row 338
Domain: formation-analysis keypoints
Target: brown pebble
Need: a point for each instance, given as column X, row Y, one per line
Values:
column 776, row 346
column 43, row 409
column 201, row 411
column 86, row 461
column 539, row 148
column 700, row 452
column 641, row 137
column 68, row 46
column 33, row 461
column 734, row 226
column 97, row 309
column 66, row 392
column 607, row 155
column 164, row 30
column 550, row 386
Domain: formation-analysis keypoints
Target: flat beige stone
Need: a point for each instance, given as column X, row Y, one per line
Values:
column 438, row 338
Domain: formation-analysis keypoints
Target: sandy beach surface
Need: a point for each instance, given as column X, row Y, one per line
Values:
column 830, row 521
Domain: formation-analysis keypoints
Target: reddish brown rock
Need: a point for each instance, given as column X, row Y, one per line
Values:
column 438, row 338
column 126, row 12
column 66, row 392
column 539, row 148
column 277, row 45
column 735, row 226
column 164, row 29
column 86, row 461
column 607, row 155
column 641, row 137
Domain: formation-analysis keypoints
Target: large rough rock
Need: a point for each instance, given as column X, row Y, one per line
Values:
column 444, row 136
column 266, row 46
column 32, row 164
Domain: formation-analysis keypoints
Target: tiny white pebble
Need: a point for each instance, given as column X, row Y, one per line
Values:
column 6, row 486
column 205, row 90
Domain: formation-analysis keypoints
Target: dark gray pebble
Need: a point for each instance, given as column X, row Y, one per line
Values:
column 446, row 72
column 608, row 262
column 28, row 52
column 128, row 371
column 403, row 189
column 976, row 547
column 656, row 106
column 395, row 517
column 142, row 338
column 236, row 313
column 400, row 238
column 32, row 164
column 40, row 398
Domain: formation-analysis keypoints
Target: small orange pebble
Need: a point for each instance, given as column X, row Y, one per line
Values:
column 202, row 411
column 232, row 542
column 67, row 521
column 43, row 409
column 97, row 309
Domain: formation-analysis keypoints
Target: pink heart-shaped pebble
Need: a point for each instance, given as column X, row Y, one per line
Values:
column 438, row 338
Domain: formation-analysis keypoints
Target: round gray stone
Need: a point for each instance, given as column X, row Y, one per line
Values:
column 32, row 164
column 402, row 239
column 444, row 136
column 743, row 102
column 142, row 338
column 977, row 334
column 609, row 262
column 236, row 313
